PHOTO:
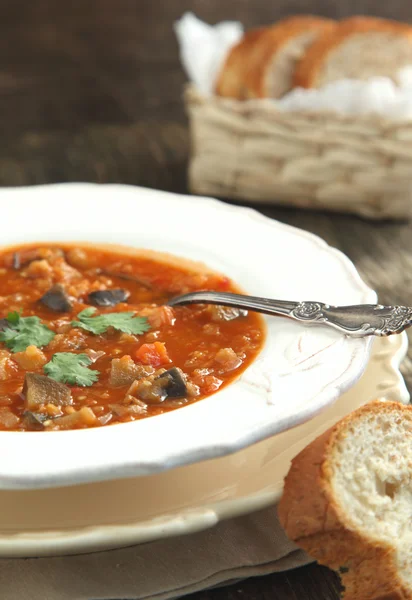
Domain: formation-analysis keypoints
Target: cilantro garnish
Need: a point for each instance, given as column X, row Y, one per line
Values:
column 71, row 368
column 21, row 332
column 126, row 322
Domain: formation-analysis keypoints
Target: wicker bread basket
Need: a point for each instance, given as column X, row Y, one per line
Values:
column 251, row 151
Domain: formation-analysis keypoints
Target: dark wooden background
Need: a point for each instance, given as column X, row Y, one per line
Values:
column 91, row 90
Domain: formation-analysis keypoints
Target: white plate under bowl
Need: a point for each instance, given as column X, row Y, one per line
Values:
column 299, row 373
column 110, row 514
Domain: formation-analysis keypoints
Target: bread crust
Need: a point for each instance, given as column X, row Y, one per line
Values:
column 309, row 67
column 244, row 73
column 312, row 516
column 230, row 81
column 272, row 41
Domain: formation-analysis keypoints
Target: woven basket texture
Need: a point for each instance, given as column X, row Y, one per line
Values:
column 254, row 152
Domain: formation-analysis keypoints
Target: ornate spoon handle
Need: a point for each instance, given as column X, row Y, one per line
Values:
column 357, row 321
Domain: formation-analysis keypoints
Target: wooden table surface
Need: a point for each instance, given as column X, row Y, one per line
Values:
column 91, row 91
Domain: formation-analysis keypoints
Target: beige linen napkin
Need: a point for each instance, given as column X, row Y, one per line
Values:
column 243, row 547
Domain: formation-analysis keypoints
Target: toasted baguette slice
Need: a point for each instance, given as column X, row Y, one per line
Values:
column 359, row 48
column 347, row 501
column 263, row 63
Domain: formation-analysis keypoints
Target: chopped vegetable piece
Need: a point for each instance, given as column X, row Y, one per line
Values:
column 63, row 272
column 124, row 371
column 108, row 297
column 121, row 321
column 70, row 368
column 175, row 383
column 7, row 418
column 159, row 316
column 74, row 339
column 149, row 389
column 87, row 416
column 31, row 359
column 39, row 389
column 57, row 299
column 153, row 354
column 52, row 410
column 3, row 324
column 210, row 383
column 79, row 258
column 34, row 420
column 228, row 359
column 25, row 331
column 39, row 269
column 104, row 419
column 132, row 409
column 84, row 417
column 5, row 365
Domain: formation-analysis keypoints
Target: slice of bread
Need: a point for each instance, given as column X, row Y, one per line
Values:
column 272, row 66
column 262, row 65
column 231, row 80
column 347, row 501
column 359, row 48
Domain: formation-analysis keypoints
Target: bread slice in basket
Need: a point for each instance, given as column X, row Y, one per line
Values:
column 231, row 80
column 359, row 48
column 263, row 63
column 348, row 501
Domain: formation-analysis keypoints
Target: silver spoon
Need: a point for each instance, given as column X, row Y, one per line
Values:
column 356, row 321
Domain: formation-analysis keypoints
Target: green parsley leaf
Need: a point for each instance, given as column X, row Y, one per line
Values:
column 25, row 331
column 126, row 322
column 67, row 367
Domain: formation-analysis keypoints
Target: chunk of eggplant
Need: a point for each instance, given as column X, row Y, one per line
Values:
column 4, row 324
column 57, row 299
column 174, row 383
column 39, row 389
column 108, row 297
column 34, row 420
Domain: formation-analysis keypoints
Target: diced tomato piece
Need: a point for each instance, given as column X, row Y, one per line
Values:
column 153, row 354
